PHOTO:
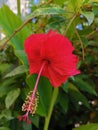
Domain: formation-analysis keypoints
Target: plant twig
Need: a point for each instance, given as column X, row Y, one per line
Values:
column 14, row 33
column 68, row 26
column 92, row 33
column 48, row 2
column 18, row 7
column 80, row 43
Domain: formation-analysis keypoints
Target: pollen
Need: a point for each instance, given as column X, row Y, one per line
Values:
column 30, row 105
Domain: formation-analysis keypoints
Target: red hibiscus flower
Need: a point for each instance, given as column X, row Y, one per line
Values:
column 49, row 55
column 55, row 51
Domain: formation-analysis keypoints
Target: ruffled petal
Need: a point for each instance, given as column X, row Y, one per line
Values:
column 55, row 78
column 33, row 42
column 56, row 48
column 70, row 65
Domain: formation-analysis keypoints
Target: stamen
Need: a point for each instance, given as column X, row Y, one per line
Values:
column 30, row 104
column 26, row 107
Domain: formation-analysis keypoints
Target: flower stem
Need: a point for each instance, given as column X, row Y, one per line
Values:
column 54, row 97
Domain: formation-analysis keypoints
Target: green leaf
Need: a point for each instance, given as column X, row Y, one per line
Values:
column 6, row 86
column 65, row 87
column 31, row 79
column 85, row 1
column 9, row 22
column 35, row 120
column 6, row 113
column 93, row 126
column 84, row 41
column 4, row 128
column 22, row 56
column 95, row 8
column 57, row 10
column 18, row 70
column 56, row 22
column 45, row 93
column 63, row 101
column 4, row 67
column 41, row 110
column 59, row 2
column 84, row 86
column 76, row 96
column 89, row 16
column 11, row 97
column 74, row 6
column 27, row 126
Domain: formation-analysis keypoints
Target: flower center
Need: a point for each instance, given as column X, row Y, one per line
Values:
column 47, row 61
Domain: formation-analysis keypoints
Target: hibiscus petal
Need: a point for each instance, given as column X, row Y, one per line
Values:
column 71, row 63
column 55, row 78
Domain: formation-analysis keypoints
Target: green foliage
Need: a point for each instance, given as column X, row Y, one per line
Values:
column 87, row 127
column 76, row 96
column 84, row 86
column 77, row 100
column 4, row 128
column 22, row 56
column 35, row 120
column 27, row 126
column 19, row 70
column 64, row 101
column 75, row 6
column 9, row 22
column 6, row 86
column 89, row 16
column 11, row 97
column 57, row 10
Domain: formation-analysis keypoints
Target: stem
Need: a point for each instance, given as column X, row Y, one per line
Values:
column 54, row 97
column 15, row 32
column 68, row 26
column 80, row 42
column 18, row 7
column 90, row 35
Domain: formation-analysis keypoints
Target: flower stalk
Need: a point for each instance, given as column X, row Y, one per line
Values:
column 53, row 100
